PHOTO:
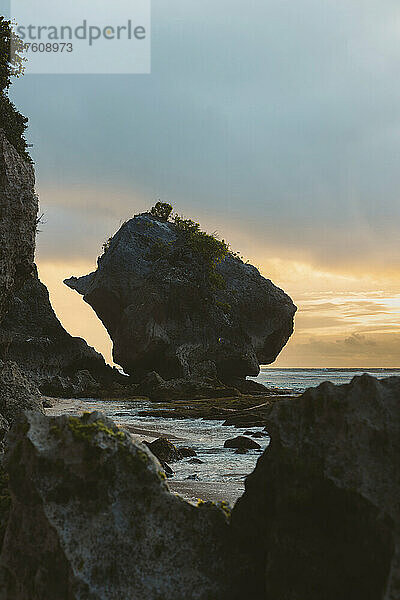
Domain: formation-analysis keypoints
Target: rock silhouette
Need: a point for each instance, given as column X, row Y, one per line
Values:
column 152, row 293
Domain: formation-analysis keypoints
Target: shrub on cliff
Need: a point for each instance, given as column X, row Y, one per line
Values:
column 11, row 65
column 162, row 211
column 207, row 246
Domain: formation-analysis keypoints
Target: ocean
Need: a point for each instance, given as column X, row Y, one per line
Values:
column 221, row 474
column 299, row 380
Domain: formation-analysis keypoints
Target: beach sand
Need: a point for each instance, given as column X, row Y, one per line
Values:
column 206, row 490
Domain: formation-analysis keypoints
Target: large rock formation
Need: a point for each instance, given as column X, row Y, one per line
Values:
column 152, row 293
column 92, row 518
column 320, row 517
column 59, row 364
column 18, row 213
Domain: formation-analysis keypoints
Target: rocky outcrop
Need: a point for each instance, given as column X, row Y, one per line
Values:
column 320, row 517
column 159, row 390
column 164, row 450
column 18, row 213
column 92, row 518
column 152, row 293
column 59, row 364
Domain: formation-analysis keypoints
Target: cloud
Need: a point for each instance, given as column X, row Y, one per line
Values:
column 357, row 339
column 243, row 118
column 381, row 351
column 275, row 123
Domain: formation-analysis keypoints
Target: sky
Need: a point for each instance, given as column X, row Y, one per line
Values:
column 272, row 122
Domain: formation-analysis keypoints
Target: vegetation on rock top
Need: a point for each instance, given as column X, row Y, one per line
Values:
column 11, row 65
column 208, row 247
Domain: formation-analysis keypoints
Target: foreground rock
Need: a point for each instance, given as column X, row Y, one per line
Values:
column 320, row 517
column 59, row 364
column 17, row 394
column 92, row 518
column 152, row 293
column 18, row 213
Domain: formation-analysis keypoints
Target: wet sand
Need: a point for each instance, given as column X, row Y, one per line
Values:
column 206, row 490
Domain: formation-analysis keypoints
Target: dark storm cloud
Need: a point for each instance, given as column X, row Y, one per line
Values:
column 280, row 118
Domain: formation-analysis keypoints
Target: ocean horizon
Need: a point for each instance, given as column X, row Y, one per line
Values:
column 298, row 379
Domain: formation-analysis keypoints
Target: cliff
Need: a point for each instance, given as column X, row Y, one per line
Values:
column 30, row 333
column 18, row 213
column 61, row 365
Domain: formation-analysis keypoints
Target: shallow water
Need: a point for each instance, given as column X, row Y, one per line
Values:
column 299, row 380
column 221, row 466
column 222, row 474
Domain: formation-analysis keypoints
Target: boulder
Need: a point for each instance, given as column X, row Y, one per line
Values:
column 18, row 220
column 242, row 441
column 92, row 518
column 320, row 517
column 59, row 364
column 259, row 434
column 167, row 470
column 186, row 452
column 152, row 292
column 164, row 450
